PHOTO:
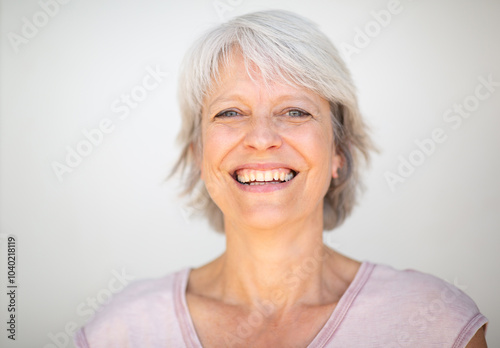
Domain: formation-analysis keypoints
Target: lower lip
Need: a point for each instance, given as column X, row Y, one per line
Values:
column 263, row 188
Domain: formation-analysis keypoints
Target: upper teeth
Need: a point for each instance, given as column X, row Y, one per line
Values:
column 261, row 176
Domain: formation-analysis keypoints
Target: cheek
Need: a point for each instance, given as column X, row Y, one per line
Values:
column 315, row 145
column 218, row 141
column 313, row 141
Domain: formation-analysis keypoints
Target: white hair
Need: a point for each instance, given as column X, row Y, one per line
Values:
column 286, row 47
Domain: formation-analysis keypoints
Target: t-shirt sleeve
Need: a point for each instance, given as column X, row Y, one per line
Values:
column 142, row 315
column 448, row 308
column 470, row 330
column 464, row 310
column 409, row 309
column 118, row 322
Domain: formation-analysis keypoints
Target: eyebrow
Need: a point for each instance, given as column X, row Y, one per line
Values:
column 280, row 99
column 222, row 99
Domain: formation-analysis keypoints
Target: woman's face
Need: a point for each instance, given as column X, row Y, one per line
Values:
column 268, row 154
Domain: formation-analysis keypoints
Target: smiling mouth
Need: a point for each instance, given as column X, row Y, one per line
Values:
column 264, row 177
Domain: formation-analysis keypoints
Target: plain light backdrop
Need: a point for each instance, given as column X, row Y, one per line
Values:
column 63, row 73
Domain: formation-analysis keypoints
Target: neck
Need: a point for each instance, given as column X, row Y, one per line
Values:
column 279, row 268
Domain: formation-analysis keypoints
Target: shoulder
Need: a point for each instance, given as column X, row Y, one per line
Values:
column 412, row 306
column 421, row 289
column 144, row 308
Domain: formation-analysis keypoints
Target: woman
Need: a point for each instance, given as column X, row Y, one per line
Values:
column 272, row 133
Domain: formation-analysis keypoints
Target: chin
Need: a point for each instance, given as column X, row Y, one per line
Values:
column 265, row 218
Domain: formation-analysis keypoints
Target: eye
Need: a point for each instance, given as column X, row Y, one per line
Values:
column 228, row 113
column 297, row 113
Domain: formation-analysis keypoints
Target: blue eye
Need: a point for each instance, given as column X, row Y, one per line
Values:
column 227, row 113
column 297, row 113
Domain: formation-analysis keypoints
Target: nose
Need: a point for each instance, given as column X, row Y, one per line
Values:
column 262, row 134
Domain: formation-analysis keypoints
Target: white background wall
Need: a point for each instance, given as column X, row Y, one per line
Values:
column 113, row 212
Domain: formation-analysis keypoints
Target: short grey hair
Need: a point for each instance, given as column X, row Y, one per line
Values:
column 284, row 47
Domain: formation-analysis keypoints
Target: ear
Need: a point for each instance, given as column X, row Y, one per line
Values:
column 337, row 163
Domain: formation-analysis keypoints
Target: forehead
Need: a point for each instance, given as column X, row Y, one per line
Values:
column 240, row 81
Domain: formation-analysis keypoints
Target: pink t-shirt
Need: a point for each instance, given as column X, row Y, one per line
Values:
column 382, row 307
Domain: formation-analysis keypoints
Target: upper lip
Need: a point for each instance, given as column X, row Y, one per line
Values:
column 263, row 166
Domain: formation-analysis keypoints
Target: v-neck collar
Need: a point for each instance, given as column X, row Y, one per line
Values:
column 320, row 340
